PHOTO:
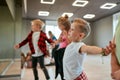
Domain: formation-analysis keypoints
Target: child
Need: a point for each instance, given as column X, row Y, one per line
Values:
column 36, row 40
column 54, row 39
column 76, row 51
column 52, row 36
column 64, row 26
column 23, row 59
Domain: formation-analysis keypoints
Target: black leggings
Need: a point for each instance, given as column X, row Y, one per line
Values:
column 54, row 49
column 39, row 59
column 58, row 56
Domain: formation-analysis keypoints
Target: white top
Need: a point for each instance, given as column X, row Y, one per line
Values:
column 73, row 61
column 35, row 38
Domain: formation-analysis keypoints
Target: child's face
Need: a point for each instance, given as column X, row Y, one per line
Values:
column 50, row 34
column 61, row 27
column 74, row 33
column 35, row 27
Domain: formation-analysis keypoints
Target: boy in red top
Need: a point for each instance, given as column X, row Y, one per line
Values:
column 36, row 40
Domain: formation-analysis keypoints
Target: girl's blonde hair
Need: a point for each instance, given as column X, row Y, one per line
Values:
column 83, row 26
column 65, row 22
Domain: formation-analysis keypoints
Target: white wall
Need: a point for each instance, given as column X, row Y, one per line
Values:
column 102, row 31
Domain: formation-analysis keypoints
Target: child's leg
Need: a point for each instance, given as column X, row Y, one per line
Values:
column 34, row 67
column 56, row 64
column 62, row 76
column 82, row 76
column 22, row 60
column 41, row 62
column 61, row 54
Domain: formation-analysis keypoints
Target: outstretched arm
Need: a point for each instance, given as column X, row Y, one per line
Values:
column 98, row 50
column 17, row 46
column 91, row 49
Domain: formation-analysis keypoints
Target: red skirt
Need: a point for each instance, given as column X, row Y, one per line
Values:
column 82, row 76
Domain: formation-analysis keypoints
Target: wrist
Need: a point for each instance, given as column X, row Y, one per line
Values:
column 103, row 52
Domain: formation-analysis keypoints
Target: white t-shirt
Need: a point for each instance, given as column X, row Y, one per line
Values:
column 35, row 38
column 73, row 61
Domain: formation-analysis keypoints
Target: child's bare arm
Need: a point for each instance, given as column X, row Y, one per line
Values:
column 91, row 49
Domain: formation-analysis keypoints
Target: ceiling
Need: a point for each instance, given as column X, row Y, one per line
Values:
column 60, row 6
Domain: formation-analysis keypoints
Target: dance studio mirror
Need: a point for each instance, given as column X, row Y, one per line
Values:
column 10, row 21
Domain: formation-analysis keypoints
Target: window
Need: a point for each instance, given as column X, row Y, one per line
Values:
column 54, row 29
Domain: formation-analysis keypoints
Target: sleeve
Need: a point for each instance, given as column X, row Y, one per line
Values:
column 24, row 41
column 79, row 46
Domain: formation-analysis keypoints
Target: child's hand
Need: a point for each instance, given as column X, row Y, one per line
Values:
column 16, row 46
column 110, row 48
column 53, row 45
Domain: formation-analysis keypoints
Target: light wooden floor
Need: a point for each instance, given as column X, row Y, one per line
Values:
column 3, row 65
column 14, row 68
column 11, row 71
column 93, row 66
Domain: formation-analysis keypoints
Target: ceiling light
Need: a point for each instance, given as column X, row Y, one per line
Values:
column 47, row 1
column 89, row 16
column 108, row 6
column 69, row 14
column 43, row 13
column 80, row 3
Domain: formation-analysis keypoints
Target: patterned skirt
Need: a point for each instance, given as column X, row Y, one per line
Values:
column 82, row 76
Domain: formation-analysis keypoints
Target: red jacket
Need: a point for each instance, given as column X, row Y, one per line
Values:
column 41, row 42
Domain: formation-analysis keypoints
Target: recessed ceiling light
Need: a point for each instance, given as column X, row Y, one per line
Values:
column 89, row 16
column 69, row 14
column 47, row 1
column 43, row 13
column 80, row 3
column 108, row 6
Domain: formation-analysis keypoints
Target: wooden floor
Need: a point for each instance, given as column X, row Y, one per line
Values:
column 3, row 65
column 94, row 68
column 14, row 69
column 11, row 71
